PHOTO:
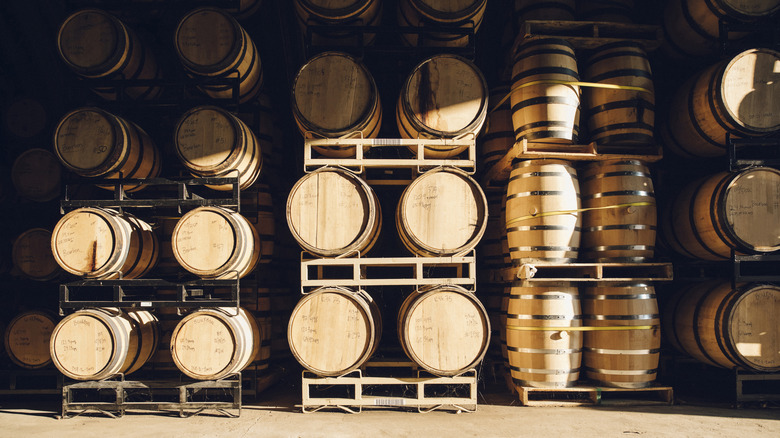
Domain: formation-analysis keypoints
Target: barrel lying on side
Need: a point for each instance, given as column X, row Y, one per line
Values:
column 27, row 338
column 334, row 330
column 99, row 343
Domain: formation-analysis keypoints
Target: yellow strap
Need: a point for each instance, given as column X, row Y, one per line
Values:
column 562, row 212
column 581, row 84
column 583, row 329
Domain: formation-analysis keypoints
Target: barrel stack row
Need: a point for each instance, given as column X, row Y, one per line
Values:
column 726, row 211
column 208, row 242
column 334, row 212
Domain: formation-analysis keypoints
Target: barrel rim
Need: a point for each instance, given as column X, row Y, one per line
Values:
column 720, row 75
column 365, row 118
column 232, row 157
column 14, row 248
column 409, row 114
column 336, row 14
column 456, row 16
column 114, row 159
column 116, row 357
column 109, row 66
column 232, row 58
column 730, row 180
column 742, row 293
column 7, row 334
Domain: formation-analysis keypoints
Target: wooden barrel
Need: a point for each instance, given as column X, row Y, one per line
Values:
column 216, row 242
column 212, row 46
column 31, row 254
column 212, row 142
column 332, row 212
column 499, row 136
column 725, row 212
column 36, row 175
column 735, row 97
column 439, row 16
column 100, row 243
column 542, row 217
column 542, row 352
column 544, row 10
column 444, row 329
column 27, row 339
column 97, row 45
column 623, row 348
column 620, row 117
column 334, row 330
column 94, row 143
column 442, row 212
column 213, row 343
column 26, row 117
column 729, row 327
column 99, row 343
column 626, row 233
column 611, row 11
column 334, row 95
column 692, row 27
column 549, row 110
column 337, row 16
column 491, row 247
column 445, row 96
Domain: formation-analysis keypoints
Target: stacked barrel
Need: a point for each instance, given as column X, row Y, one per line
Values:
column 225, row 132
column 554, row 211
column 334, row 212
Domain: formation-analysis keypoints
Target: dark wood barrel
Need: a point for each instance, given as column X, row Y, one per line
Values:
column 735, row 97
column 439, row 15
column 97, row 45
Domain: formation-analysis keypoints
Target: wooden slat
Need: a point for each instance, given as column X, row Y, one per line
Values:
column 592, row 34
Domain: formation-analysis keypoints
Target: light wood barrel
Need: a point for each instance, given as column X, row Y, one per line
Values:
column 544, row 10
column 438, row 16
column 332, row 212
column 212, row 142
column 611, row 11
column 620, row 117
column 548, row 111
column 499, row 135
column 723, row 212
column 36, row 175
column 97, row 45
column 334, row 95
column 542, row 218
column 623, row 349
column 216, row 242
column 211, row 44
column 442, row 212
column 542, row 352
column 94, row 143
column 31, row 254
column 444, row 329
column 333, row 330
column 445, row 96
column 624, row 234
column 27, row 339
column 338, row 15
column 729, row 327
column 692, row 27
column 99, row 343
column 737, row 96
column 213, row 343
column 103, row 244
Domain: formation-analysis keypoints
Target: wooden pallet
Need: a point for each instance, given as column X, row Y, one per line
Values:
column 593, row 395
column 16, row 382
column 499, row 172
column 584, row 272
column 757, row 387
column 393, row 385
column 592, row 34
column 388, row 271
column 397, row 156
column 115, row 397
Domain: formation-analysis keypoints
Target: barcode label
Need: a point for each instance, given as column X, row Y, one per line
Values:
column 388, row 402
column 146, row 304
column 386, row 142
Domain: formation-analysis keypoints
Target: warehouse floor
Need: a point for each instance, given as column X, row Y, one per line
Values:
column 498, row 415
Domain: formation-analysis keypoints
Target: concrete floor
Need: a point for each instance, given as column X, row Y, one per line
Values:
column 498, row 415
